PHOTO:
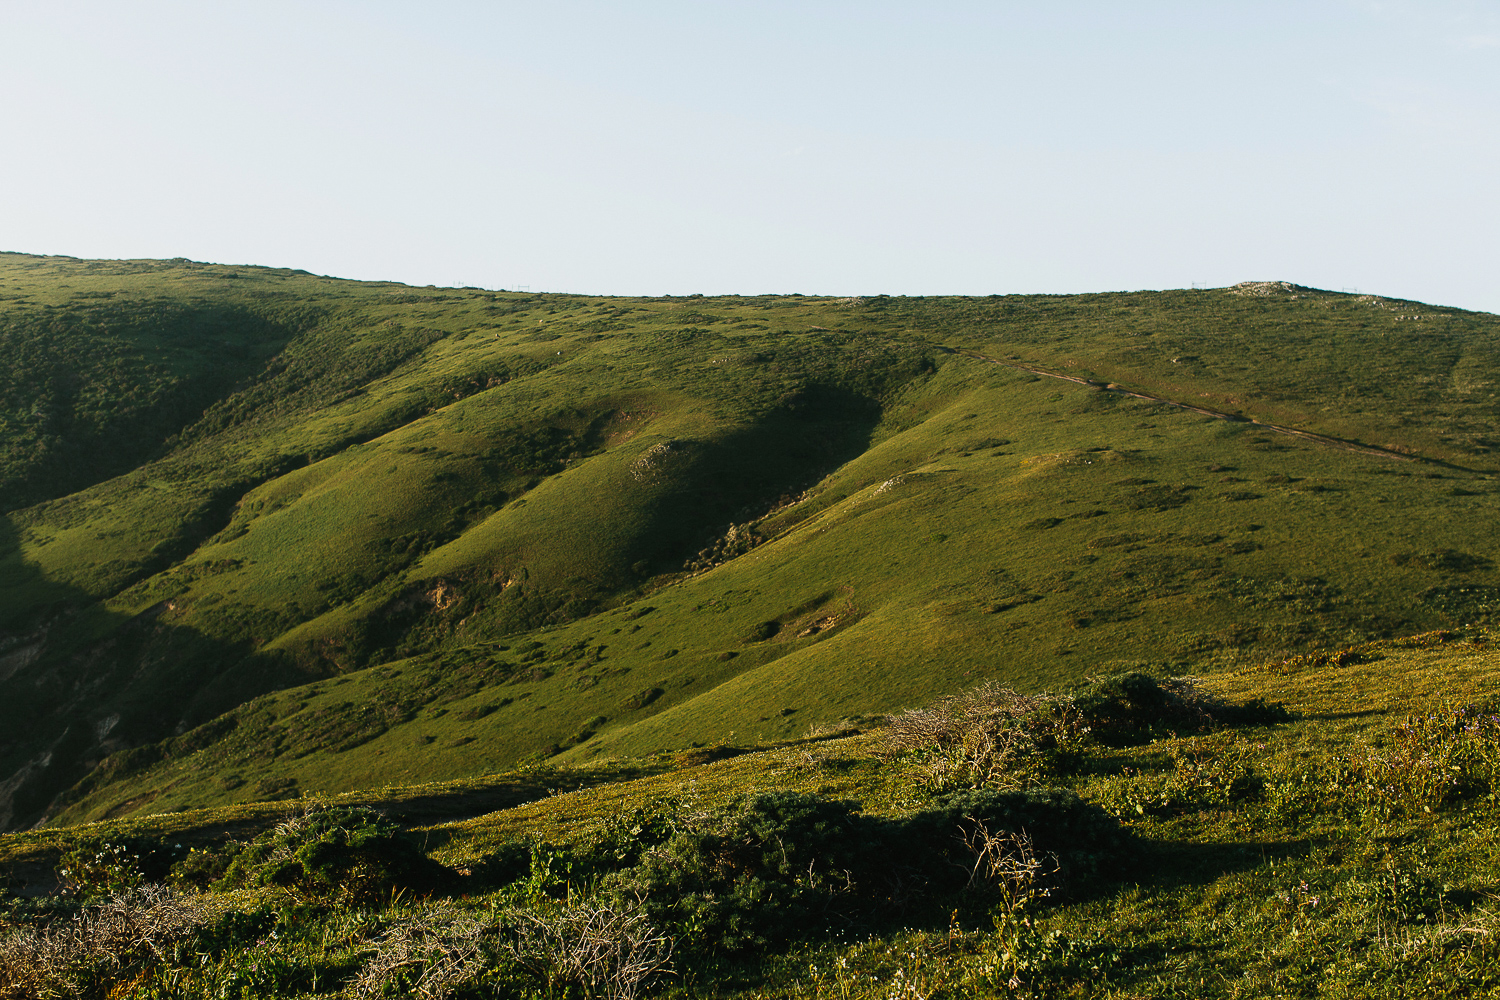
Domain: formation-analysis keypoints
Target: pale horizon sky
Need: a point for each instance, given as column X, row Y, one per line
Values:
column 823, row 148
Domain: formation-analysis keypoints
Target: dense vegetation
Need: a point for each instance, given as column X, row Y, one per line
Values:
column 267, row 537
column 1139, row 836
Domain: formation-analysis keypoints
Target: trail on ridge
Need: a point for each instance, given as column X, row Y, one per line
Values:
column 1323, row 439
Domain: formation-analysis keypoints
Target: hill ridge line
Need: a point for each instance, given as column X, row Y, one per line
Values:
column 1326, row 440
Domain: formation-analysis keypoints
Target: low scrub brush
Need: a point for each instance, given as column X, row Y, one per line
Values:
column 348, row 855
column 427, row 953
column 994, row 736
column 1132, row 707
column 101, row 943
column 600, row 949
column 989, row 736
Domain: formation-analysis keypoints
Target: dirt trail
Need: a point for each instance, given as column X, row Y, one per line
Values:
column 1323, row 439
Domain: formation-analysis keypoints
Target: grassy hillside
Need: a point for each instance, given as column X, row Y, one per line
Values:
column 268, row 534
column 1317, row 826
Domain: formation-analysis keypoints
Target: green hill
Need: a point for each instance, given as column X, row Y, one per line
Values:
column 267, row 534
column 1138, row 839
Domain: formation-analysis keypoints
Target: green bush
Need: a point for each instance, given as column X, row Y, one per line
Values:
column 764, row 868
column 1133, row 707
column 349, row 855
column 990, row 735
column 94, row 868
column 625, row 837
column 507, row 863
column 791, row 865
column 202, row 868
column 1082, row 837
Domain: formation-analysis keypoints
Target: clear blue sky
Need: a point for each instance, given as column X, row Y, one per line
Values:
column 824, row 148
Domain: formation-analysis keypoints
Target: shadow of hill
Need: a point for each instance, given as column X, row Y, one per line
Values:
column 107, row 386
column 705, row 486
column 736, row 478
column 79, row 683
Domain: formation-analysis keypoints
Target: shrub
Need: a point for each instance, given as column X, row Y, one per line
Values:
column 759, row 870
column 1082, row 837
column 993, row 736
column 94, row 869
column 509, row 861
column 350, row 855
column 625, row 837
column 101, row 943
column 601, row 949
column 790, row 865
column 990, row 735
column 201, row 868
column 1133, row 707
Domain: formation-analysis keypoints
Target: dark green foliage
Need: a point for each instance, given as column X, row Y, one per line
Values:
column 201, row 868
column 766, row 868
column 93, row 867
column 1130, row 707
column 1134, row 707
column 1083, row 838
column 352, row 855
column 787, row 865
column 503, row 865
column 1254, row 712
column 235, row 929
column 93, row 389
column 624, row 838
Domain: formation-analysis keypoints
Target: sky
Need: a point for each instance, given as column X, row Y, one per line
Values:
column 824, row 148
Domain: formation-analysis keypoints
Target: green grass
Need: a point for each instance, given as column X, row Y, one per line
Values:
column 1348, row 852
column 414, row 533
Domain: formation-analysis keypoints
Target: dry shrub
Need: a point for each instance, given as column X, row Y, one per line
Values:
column 426, row 953
column 605, row 950
column 995, row 736
column 1006, row 863
column 130, row 927
column 990, row 735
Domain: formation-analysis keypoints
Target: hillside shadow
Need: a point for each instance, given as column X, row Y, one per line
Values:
column 97, row 414
column 739, row 476
column 78, row 682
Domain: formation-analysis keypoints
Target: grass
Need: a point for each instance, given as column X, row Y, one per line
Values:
column 1313, row 857
column 386, row 534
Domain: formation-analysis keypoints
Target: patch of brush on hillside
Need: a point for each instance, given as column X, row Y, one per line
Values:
column 1317, row 825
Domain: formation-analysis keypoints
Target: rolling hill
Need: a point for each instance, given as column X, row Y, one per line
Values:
column 267, row 534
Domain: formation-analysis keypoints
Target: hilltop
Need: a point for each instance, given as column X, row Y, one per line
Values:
column 268, row 534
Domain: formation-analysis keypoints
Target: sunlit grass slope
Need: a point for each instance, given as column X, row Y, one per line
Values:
column 432, row 533
column 1347, row 850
